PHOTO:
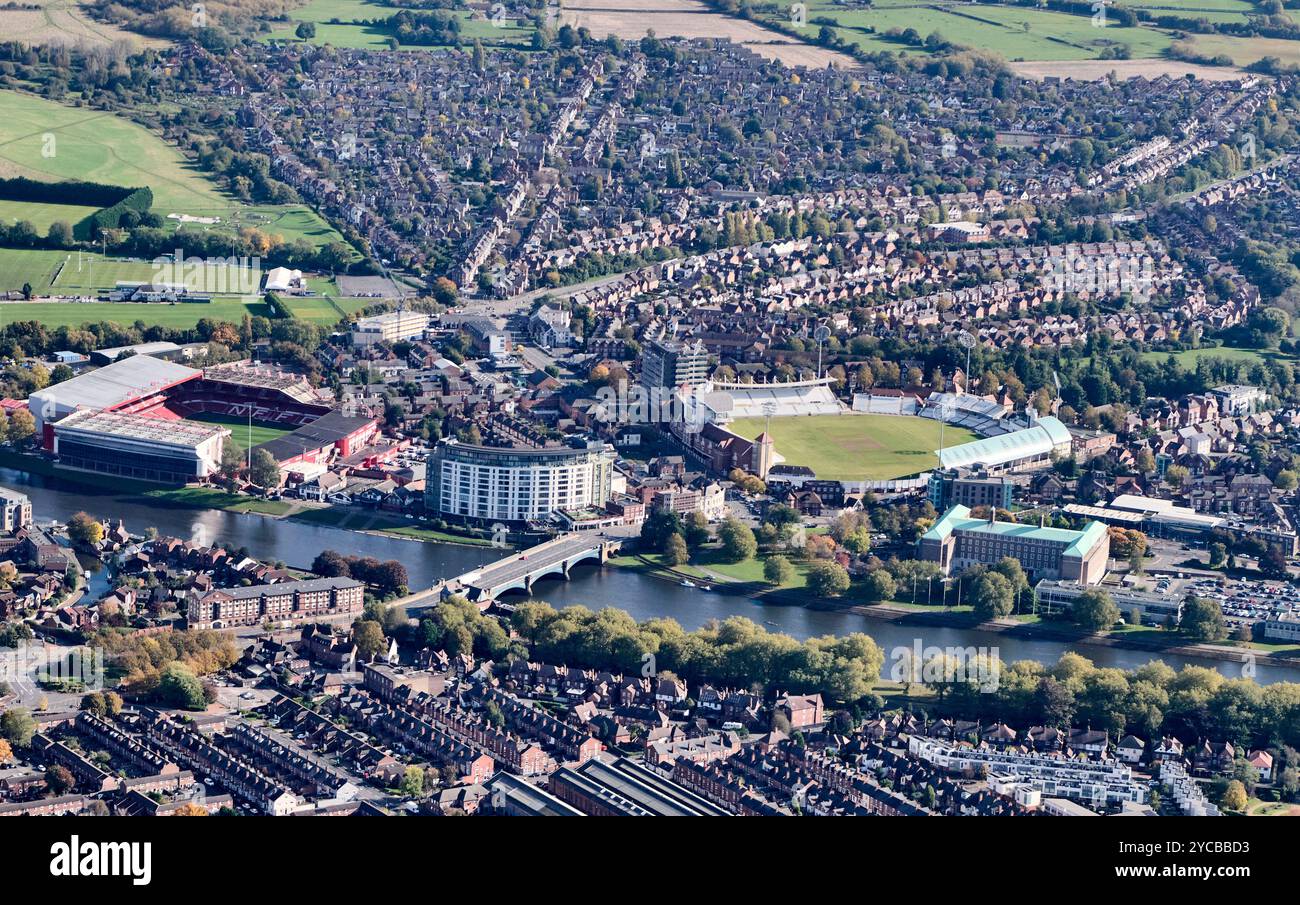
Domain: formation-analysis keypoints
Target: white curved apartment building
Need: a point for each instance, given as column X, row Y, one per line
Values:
column 491, row 484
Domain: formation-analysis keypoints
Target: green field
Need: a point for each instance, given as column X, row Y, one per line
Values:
column 85, row 273
column 43, row 215
column 44, row 140
column 240, row 431
column 1189, row 357
column 342, row 23
column 21, row 265
column 854, row 447
column 71, row 314
column 1030, row 34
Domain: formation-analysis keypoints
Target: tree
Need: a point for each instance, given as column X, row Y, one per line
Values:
column 59, row 779
column 827, row 579
column 1218, row 555
column 992, row 595
column 695, row 529
column 85, row 530
column 17, row 726
column 675, row 551
column 777, row 570
column 180, row 687
column 94, row 703
column 881, row 586
column 1273, row 563
column 264, row 470
column 412, row 783
column 305, row 30
column 6, row 751
column 1203, row 620
column 1095, row 610
column 22, row 426
column 738, row 543
column 191, row 809
column 1285, row 480
column 1234, row 796
column 331, row 564
column 368, row 636
column 658, row 527
column 858, row 540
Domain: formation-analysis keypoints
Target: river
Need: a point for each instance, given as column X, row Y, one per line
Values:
column 297, row 543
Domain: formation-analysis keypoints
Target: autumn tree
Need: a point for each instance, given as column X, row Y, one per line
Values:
column 827, row 578
column 85, row 530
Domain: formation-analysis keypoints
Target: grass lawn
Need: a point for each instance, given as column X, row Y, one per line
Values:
column 370, row 520
column 1016, row 33
column 42, row 215
column 72, row 314
column 212, row 498
column 25, row 265
column 318, row 309
column 1189, row 357
column 239, row 429
column 49, row 141
column 345, row 23
column 1257, row 808
column 856, row 447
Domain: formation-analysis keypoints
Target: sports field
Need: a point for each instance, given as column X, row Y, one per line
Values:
column 73, row 314
column 239, row 430
column 42, row 215
column 855, row 447
column 41, row 139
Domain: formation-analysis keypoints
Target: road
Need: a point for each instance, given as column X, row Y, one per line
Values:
column 523, row 302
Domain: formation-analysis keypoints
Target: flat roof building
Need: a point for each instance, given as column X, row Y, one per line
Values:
column 393, row 326
column 957, row 541
column 15, row 510
column 165, row 450
column 667, row 364
column 1151, row 608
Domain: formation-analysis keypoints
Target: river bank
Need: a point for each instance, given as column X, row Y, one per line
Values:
column 1049, row 631
column 370, row 521
column 959, row 618
column 642, row 595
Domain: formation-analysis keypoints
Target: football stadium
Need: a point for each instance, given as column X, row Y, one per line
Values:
column 155, row 420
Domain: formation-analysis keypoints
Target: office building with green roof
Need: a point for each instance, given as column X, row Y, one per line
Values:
column 956, row 541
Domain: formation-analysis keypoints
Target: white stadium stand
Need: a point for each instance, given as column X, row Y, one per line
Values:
column 726, row 401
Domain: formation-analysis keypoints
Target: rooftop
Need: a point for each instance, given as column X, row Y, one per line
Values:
column 1038, row 440
column 958, row 519
column 160, row 431
column 112, row 385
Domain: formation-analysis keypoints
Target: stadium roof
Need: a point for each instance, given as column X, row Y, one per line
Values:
column 1031, row 442
column 324, row 431
column 157, row 431
column 958, row 519
column 112, row 385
